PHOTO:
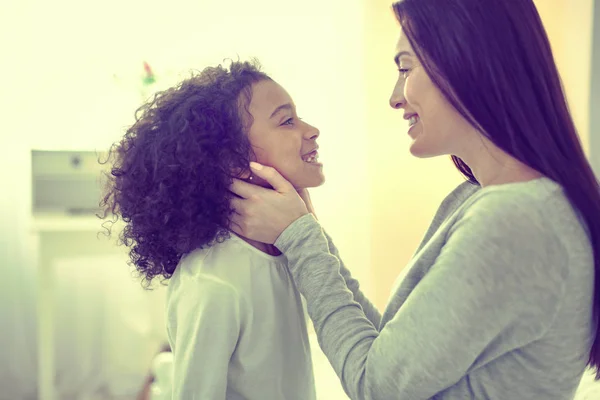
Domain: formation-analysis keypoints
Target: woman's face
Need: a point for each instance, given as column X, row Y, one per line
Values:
column 435, row 127
column 282, row 140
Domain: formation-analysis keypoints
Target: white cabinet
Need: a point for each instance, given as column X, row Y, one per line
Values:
column 95, row 322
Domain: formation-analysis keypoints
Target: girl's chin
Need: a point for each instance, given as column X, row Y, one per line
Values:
column 306, row 179
column 308, row 185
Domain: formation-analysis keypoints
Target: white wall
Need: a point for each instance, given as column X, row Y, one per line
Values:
column 18, row 280
column 569, row 26
column 405, row 191
column 595, row 93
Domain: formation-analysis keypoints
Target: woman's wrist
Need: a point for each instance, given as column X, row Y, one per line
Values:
column 297, row 228
column 305, row 196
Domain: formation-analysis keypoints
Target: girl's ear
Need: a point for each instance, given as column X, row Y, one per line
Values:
column 248, row 176
column 256, row 180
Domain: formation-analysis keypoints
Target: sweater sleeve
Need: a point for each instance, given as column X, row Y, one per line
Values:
column 499, row 271
column 369, row 309
column 207, row 333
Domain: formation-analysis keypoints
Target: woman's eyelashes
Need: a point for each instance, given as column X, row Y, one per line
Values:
column 404, row 72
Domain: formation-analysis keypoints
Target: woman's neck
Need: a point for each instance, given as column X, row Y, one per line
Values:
column 264, row 247
column 492, row 166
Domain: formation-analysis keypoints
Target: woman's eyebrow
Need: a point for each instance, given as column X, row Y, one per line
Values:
column 400, row 54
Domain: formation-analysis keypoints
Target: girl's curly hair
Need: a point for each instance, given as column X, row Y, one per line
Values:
column 172, row 170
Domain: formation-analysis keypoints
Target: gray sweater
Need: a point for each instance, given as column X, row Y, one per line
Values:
column 496, row 303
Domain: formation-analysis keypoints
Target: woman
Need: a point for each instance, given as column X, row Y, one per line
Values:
column 500, row 301
column 235, row 320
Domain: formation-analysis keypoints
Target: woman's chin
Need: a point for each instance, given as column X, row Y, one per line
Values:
column 421, row 150
column 418, row 154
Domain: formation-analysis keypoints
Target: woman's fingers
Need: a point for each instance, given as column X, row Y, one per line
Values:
column 238, row 205
column 236, row 221
column 239, row 219
column 243, row 189
column 262, row 214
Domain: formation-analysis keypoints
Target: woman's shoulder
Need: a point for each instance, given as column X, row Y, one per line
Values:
column 540, row 198
column 457, row 197
column 532, row 193
column 450, row 204
column 536, row 211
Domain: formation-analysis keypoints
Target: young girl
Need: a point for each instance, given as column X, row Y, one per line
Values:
column 235, row 318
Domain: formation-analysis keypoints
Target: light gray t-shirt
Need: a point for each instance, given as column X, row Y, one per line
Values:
column 237, row 327
column 495, row 304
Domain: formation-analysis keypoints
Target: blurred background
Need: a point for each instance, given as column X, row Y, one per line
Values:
column 75, row 323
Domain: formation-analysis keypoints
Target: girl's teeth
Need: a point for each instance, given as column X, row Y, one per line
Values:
column 312, row 159
column 413, row 120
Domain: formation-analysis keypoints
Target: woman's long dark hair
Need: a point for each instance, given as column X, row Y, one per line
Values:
column 492, row 60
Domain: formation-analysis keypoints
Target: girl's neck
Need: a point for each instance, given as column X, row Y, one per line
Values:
column 264, row 247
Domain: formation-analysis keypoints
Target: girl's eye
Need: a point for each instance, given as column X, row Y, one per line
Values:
column 288, row 121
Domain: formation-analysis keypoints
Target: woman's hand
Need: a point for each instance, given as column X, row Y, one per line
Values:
column 305, row 196
column 263, row 214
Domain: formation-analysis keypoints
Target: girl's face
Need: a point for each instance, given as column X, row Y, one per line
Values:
column 282, row 140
